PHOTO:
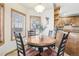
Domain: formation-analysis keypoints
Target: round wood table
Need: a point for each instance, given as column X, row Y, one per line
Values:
column 41, row 43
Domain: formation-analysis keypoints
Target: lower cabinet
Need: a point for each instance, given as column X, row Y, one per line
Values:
column 72, row 46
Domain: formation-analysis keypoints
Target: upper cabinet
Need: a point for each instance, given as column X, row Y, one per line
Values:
column 66, row 14
column 69, row 9
column 57, row 6
column 70, row 13
column 58, row 22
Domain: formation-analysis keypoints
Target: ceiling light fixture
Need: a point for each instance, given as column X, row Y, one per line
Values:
column 39, row 8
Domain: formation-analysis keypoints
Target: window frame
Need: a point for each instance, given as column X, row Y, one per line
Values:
column 18, row 12
column 2, row 6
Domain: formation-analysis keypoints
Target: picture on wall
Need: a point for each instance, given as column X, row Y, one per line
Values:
column 35, row 21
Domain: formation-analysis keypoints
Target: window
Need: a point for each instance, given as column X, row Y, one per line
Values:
column 1, row 23
column 18, row 23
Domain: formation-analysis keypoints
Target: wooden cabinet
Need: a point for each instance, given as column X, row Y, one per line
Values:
column 58, row 22
column 72, row 46
column 62, row 21
column 67, row 20
column 56, row 13
column 73, row 20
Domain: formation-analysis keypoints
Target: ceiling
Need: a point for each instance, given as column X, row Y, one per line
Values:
column 32, row 5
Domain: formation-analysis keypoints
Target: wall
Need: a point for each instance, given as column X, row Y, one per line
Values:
column 1, row 23
column 19, row 7
column 7, row 20
column 69, row 9
column 46, row 13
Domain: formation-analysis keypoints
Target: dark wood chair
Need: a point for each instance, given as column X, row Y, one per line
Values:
column 31, row 33
column 51, row 52
column 56, row 30
column 20, row 47
column 50, row 33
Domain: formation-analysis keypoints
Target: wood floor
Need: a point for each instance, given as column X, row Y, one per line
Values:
column 1, row 43
column 14, row 53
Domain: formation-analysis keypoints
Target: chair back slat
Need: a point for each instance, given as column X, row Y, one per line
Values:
column 20, row 48
column 62, row 49
column 31, row 33
column 18, row 41
column 20, row 44
column 62, row 45
column 50, row 33
column 20, row 51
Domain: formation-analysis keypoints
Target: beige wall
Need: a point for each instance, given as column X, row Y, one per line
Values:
column 47, row 13
column 20, row 8
column 7, row 20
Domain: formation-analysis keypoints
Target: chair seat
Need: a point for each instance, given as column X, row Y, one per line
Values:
column 31, row 52
column 49, row 52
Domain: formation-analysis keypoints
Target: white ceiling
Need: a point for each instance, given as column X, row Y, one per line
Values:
column 32, row 5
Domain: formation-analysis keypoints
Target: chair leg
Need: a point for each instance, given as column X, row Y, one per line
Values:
column 54, row 46
column 18, row 53
column 40, row 49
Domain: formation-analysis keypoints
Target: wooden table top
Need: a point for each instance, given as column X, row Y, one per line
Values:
column 38, row 42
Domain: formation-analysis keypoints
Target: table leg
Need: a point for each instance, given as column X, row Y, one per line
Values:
column 53, row 46
column 40, row 50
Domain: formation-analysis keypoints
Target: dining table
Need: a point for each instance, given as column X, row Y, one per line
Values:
column 40, row 43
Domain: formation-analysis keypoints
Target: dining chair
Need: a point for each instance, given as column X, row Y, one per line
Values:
column 55, row 32
column 21, row 49
column 31, row 33
column 51, row 52
column 50, row 33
